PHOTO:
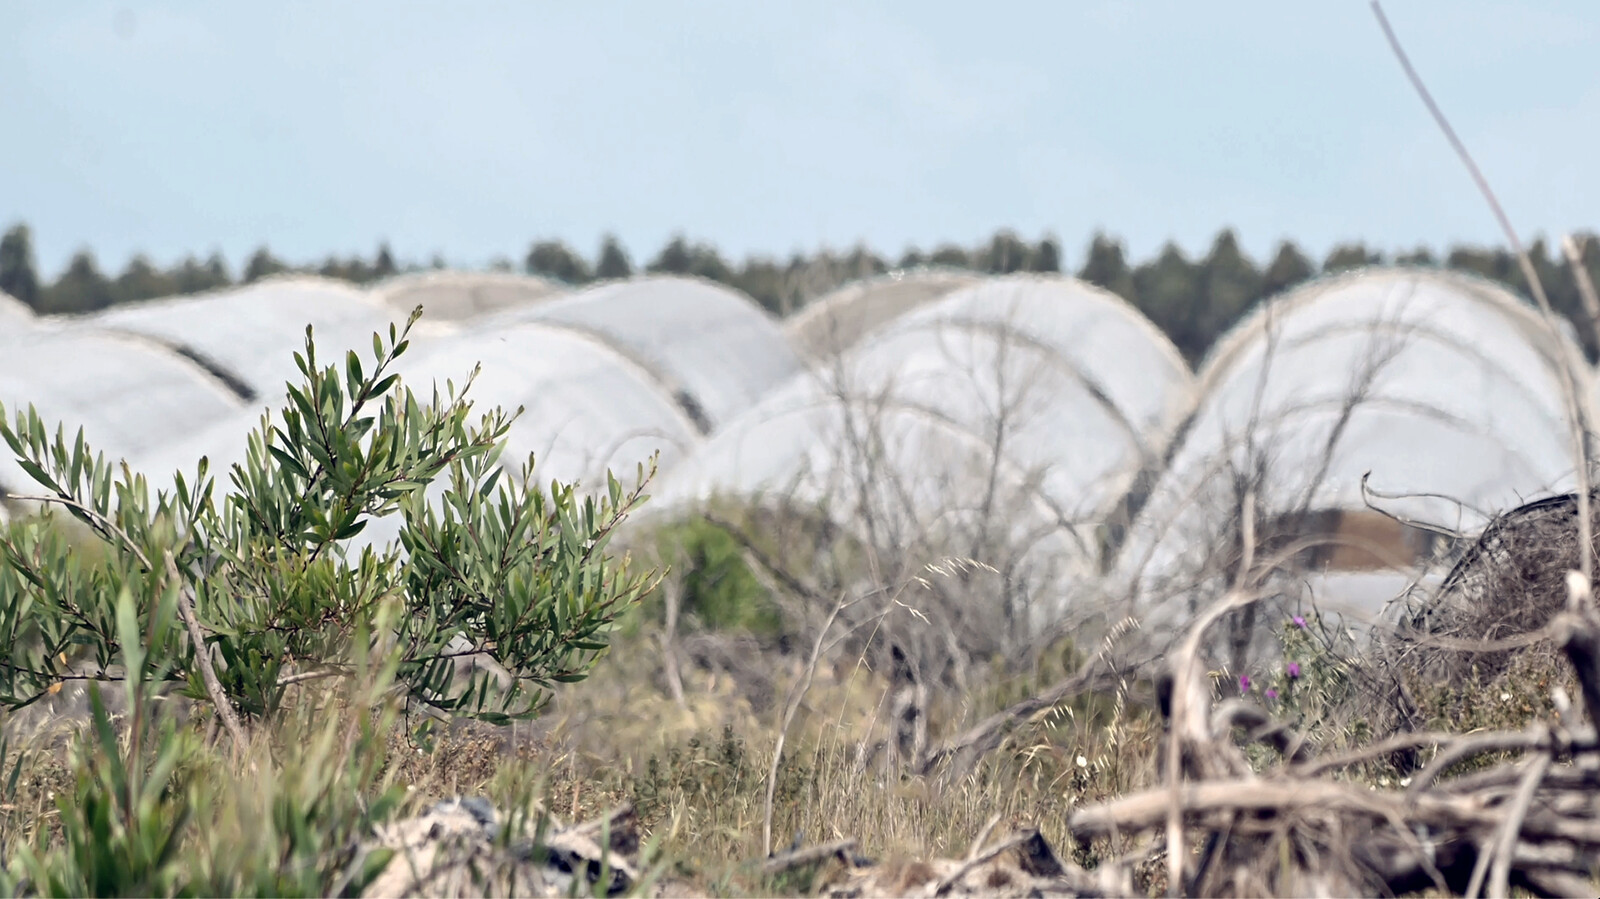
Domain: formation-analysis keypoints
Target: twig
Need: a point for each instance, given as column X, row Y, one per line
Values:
column 762, row 559
column 797, row 693
column 1467, row 748
column 1188, row 715
column 1473, row 745
column 985, row 735
column 1500, row 872
column 796, row 858
column 1575, row 419
column 1578, row 635
column 301, row 677
column 1580, row 274
column 101, row 521
column 202, row 655
column 1368, row 493
column 672, row 594
column 982, row 858
column 1149, row 808
column 983, row 835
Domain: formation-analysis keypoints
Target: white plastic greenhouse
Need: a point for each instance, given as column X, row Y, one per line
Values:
column 1445, row 388
column 712, row 348
column 834, row 322
column 1027, row 405
column 12, row 312
column 1036, row 411
column 250, row 334
column 452, row 296
column 133, row 397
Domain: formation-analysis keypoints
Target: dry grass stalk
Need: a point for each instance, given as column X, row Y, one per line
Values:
column 1580, row 274
column 793, row 705
column 1576, row 421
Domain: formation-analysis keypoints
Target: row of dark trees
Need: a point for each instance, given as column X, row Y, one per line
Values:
column 82, row 287
column 1192, row 300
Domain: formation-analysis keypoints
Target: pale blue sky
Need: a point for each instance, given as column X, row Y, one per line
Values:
column 472, row 128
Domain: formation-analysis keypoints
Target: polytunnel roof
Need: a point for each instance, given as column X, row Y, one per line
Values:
column 1456, row 353
column 13, row 309
column 249, row 335
column 1444, row 387
column 132, row 397
column 455, row 296
column 1130, row 365
column 835, row 321
column 587, row 408
column 711, row 348
column 1080, row 389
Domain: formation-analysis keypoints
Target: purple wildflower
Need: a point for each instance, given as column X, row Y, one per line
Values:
column 1294, row 669
column 1271, row 693
column 1299, row 621
column 1244, row 683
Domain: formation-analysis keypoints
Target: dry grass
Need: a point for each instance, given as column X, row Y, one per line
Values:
column 696, row 771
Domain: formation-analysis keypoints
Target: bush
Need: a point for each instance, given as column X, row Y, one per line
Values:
column 500, row 569
column 237, row 599
column 720, row 591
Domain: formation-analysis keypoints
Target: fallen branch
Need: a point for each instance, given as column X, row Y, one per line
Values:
column 978, row 860
column 799, row 858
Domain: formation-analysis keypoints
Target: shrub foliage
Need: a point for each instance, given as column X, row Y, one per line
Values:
column 488, row 564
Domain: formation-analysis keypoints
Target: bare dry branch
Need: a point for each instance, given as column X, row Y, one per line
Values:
column 202, row 655
column 1576, row 421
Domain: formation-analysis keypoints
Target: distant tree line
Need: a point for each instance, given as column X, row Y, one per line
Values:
column 1193, row 300
column 82, row 287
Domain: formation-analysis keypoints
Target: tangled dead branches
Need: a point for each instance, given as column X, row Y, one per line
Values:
column 1302, row 829
column 1509, row 582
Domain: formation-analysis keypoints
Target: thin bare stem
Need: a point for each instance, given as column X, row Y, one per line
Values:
column 302, row 677
column 1500, row 871
column 1575, row 418
column 795, row 696
column 811, row 855
column 673, row 596
column 202, row 655
column 1188, row 717
column 101, row 520
column 1580, row 275
column 976, row 859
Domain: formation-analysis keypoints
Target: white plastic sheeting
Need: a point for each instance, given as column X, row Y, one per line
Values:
column 713, row 349
column 587, row 410
column 1447, row 389
column 133, row 398
column 13, row 313
column 834, row 322
column 607, row 379
column 1076, row 378
column 1072, row 386
column 451, row 296
column 250, row 334
column 1082, row 390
